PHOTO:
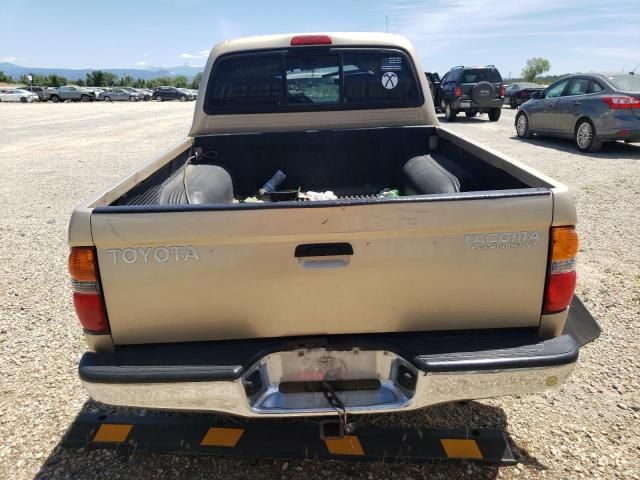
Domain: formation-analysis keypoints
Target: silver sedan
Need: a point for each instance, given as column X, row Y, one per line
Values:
column 118, row 94
column 588, row 108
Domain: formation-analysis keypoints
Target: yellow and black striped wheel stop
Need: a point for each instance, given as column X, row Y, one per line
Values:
column 207, row 435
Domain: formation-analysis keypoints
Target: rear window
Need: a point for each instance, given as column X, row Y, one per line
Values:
column 625, row 82
column 332, row 80
column 475, row 75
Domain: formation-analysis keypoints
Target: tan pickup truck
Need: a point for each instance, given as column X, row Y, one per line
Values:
column 320, row 243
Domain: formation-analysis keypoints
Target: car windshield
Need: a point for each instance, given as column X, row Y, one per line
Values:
column 474, row 75
column 626, row 82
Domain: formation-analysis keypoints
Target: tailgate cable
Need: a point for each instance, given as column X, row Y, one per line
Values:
column 334, row 402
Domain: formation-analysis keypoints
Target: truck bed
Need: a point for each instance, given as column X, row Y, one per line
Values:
column 355, row 164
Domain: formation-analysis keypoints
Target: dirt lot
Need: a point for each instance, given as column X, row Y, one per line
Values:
column 53, row 156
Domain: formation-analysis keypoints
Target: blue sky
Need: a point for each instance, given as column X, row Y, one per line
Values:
column 576, row 35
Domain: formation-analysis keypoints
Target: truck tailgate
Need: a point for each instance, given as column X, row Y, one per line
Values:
column 476, row 260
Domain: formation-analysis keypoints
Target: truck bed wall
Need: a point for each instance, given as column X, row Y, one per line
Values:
column 355, row 161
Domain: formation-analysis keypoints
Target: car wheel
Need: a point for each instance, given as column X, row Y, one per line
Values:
column 471, row 114
column 522, row 126
column 449, row 113
column 494, row 114
column 107, row 99
column 183, row 98
column 23, row 99
column 159, row 98
column 585, row 136
column 513, row 103
column 84, row 98
column 55, row 98
column 132, row 98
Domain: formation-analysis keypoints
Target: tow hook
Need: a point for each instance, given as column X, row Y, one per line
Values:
column 334, row 402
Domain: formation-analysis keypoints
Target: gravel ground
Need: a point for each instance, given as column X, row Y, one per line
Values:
column 53, row 156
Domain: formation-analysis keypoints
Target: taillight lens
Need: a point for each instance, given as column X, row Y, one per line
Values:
column 503, row 90
column 562, row 270
column 83, row 268
column 457, row 92
column 618, row 102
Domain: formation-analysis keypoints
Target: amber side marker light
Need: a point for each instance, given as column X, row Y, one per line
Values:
column 561, row 282
column 87, row 298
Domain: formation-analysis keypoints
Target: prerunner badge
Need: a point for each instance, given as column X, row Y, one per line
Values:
column 389, row 80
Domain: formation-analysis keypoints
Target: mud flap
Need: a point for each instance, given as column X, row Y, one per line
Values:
column 580, row 323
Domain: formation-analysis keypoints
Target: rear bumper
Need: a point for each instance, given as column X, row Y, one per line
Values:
column 413, row 372
column 468, row 104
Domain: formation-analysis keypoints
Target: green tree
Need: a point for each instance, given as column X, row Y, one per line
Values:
column 54, row 80
column 535, row 66
column 180, row 81
column 5, row 78
column 81, row 83
column 96, row 79
column 195, row 83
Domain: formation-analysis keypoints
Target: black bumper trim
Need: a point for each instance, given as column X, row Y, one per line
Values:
column 428, row 351
column 560, row 350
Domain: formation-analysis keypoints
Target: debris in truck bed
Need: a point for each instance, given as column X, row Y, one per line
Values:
column 273, row 183
column 389, row 193
column 318, row 196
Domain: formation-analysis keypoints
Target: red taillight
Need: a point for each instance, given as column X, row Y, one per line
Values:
column 503, row 90
column 559, row 291
column 90, row 312
column 562, row 270
column 310, row 40
column 457, row 92
column 83, row 267
column 618, row 102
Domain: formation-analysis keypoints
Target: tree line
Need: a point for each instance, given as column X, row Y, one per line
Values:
column 99, row 78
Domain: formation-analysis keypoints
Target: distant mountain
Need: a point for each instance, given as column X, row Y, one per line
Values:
column 16, row 71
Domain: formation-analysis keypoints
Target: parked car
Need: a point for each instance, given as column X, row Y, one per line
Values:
column 119, row 94
column 146, row 94
column 471, row 90
column 161, row 94
column 434, row 85
column 43, row 93
column 72, row 93
column 19, row 95
column 590, row 108
column 457, row 287
column 134, row 91
column 518, row 93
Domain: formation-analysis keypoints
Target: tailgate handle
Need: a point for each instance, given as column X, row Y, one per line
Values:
column 323, row 250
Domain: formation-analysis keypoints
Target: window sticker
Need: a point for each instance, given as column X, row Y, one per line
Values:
column 391, row 64
column 389, row 80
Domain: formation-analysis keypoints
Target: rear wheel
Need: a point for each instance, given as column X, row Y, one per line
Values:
column 23, row 99
column 107, row 99
column 132, row 98
column 449, row 113
column 522, row 126
column 585, row 136
column 513, row 103
column 159, row 98
column 84, row 98
column 494, row 114
column 183, row 98
column 55, row 98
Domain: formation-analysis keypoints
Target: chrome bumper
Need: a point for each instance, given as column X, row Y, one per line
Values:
column 230, row 397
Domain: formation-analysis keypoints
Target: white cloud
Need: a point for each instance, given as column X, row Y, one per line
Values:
column 141, row 63
column 8, row 59
column 188, row 56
